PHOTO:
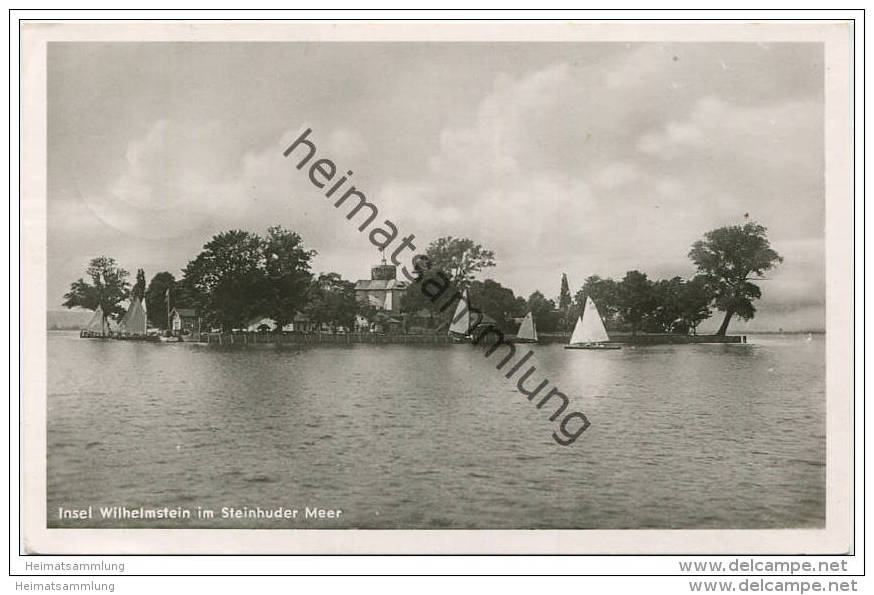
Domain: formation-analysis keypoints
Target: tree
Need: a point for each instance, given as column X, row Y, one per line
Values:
column 227, row 280
column 157, row 303
column 108, row 288
column 694, row 302
column 564, row 296
column 415, row 301
column 605, row 293
column 287, row 268
column 496, row 301
column 459, row 259
column 727, row 257
column 545, row 316
column 139, row 288
column 566, row 319
column 450, row 263
column 666, row 307
column 331, row 300
column 636, row 299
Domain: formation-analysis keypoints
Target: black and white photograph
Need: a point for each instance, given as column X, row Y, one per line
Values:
column 408, row 281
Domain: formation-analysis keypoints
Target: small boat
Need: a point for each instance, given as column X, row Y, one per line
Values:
column 97, row 327
column 146, row 338
column 133, row 326
column 527, row 330
column 589, row 332
column 459, row 329
column 464, row 330
column 170, row 339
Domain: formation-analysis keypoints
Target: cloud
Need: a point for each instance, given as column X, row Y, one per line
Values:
column 349, row 143
column 166, row 187
column 640, row 205
column 564, row 165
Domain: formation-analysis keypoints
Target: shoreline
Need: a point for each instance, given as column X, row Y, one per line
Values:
column 255, row 338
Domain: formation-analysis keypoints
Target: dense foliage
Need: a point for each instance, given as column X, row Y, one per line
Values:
column 638, row 304
column 108, row 288
column 159, row 299
column 566, row 318
column 239, row 275
column 139, row 289
column 459, row 258
column 331, row 300
column 726, row 258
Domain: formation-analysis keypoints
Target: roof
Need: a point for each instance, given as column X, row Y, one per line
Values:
column 370, row 284
column 260, row 319
column 191, row 312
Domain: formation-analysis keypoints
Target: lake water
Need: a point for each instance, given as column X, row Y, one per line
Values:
column 403, row 436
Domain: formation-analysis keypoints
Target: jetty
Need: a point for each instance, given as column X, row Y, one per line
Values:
column 291, row 338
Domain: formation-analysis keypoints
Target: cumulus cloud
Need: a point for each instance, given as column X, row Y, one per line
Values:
column 584, row 167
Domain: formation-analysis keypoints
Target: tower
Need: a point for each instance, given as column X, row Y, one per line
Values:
column 383, row 271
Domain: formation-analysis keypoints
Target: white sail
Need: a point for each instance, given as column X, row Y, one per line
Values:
column 122, row 324
column 527, row 330
column 577, row 336
column 134, row 321
column 592, row 328
column 461, row 319
column 143, row 320
column 97, row 324
column 387, row 304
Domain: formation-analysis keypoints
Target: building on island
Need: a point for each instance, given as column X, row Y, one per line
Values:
column 263, row 324
column 302, row 323
column 385, row 293
column 383, row 290
column 184, row 320
column 260, row 324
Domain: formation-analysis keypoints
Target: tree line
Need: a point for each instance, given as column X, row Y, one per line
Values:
column 727, row 259
column 239, row 275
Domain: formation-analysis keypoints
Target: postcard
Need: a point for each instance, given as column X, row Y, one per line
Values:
column 431, row 288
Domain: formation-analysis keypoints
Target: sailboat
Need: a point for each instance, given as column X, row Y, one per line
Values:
column 589, row 332
column 97, row 327
column 527, row 330
column 133, row 324
column 460, row 326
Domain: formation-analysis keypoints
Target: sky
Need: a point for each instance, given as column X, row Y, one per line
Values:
column 582, row 158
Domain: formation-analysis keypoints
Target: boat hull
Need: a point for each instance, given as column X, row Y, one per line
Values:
column 594, row 346
column 92, row 335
